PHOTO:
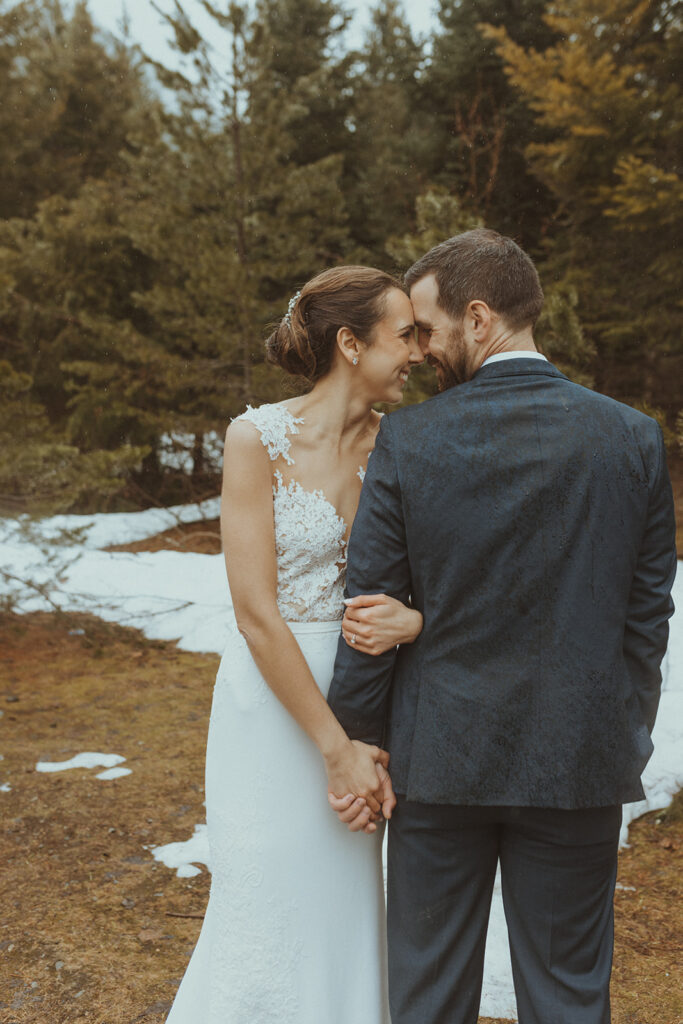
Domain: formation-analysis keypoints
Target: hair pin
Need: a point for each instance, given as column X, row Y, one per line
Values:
column 290, row 308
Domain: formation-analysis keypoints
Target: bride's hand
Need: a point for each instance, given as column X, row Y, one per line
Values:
column 355, row 813
column 379, row 622
column 351, row 769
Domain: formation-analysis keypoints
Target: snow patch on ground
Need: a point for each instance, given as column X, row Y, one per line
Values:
column 103, row 529
column 169, row 595
column 184, row 856
column 5, row 788
column 88, row 759
column 113, row 773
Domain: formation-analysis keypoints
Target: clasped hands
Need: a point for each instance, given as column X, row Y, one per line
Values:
column 366, row 784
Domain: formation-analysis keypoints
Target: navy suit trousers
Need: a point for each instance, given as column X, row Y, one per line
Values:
column 558, row 870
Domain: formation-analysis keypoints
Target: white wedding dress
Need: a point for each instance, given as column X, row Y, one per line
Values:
column 294, row 931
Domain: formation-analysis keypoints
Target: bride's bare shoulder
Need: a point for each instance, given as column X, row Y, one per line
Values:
column 242, row 433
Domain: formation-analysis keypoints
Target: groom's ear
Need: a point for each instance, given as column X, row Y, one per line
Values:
column 478, row 320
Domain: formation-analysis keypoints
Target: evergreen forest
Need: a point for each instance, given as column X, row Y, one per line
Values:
column 155, row 221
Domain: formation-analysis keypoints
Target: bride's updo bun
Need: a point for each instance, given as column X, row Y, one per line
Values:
column 305, row 340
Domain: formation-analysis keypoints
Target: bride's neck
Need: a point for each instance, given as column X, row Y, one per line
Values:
column 334, row 408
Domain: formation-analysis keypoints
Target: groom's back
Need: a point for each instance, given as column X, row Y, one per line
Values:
column 525, row 502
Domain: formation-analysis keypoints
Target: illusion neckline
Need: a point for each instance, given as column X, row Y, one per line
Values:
column 316, row 492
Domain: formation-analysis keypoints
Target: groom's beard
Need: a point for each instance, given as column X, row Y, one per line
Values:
column 457, row 370
column 445, row 378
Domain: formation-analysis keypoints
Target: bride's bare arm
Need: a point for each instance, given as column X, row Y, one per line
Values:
column 248, row 535
column 374, row 623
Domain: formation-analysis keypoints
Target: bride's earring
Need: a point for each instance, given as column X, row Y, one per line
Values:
column 355, row 360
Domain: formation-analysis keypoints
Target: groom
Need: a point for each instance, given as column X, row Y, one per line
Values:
column 531, row 522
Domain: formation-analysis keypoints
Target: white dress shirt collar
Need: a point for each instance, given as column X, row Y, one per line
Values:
column 500, row 356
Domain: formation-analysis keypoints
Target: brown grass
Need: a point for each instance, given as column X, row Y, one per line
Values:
column 79, row 888
column 646, row 980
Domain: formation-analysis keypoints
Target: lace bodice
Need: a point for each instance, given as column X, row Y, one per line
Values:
column 310, row 538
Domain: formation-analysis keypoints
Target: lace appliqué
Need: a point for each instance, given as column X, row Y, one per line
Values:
column 306, row 524
column 274, row 422
column 362, row 472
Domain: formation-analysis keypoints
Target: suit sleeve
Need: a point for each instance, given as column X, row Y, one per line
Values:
column 650, row 604
column 377, row 564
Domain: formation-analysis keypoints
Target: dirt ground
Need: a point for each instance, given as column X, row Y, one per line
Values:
column 92, row 929
column 203, row 537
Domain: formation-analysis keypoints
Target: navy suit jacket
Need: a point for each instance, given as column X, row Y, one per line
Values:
column 531, row 521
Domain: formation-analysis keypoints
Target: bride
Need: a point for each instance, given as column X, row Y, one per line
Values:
column 294, row 928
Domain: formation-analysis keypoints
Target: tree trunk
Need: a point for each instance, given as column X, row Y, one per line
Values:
column 198, row 455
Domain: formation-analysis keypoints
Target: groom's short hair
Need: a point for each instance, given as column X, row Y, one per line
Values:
column 481, row 264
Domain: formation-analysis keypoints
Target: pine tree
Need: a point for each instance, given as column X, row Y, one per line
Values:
column 68, row 98
column 41, row 473
column 478, row 127
column 236, row 204
column 611, row 108
column 385, row 155
column 66, row 269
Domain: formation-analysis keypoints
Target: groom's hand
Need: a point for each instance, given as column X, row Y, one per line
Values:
column 388, row 795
